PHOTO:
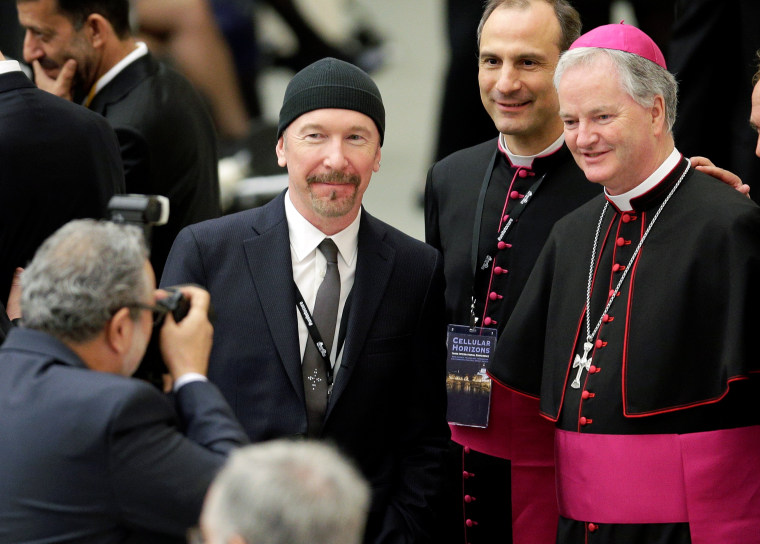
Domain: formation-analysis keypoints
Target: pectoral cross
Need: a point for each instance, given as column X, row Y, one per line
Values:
column 582, row 362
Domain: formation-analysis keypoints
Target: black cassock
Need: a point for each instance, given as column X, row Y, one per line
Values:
column 455, row 198
column 677, row 351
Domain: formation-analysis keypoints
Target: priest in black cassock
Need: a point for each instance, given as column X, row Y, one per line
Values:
column 637, row 328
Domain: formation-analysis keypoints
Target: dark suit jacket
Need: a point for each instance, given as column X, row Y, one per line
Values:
column 58, row 162
column 168, row 145
column 388, row 406
column 89, row 456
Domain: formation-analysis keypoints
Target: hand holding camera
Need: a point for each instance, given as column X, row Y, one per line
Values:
column 186, row 339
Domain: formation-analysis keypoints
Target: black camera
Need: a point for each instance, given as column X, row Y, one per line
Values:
column 147, row 211
column 176, row 303
column 179, row 305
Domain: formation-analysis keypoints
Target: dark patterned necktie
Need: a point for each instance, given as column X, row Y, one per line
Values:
column 325, row 315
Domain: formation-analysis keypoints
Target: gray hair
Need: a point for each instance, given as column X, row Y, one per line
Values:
column 640, row 78
column 567, row 16
column 288, row 492
column 81, row 275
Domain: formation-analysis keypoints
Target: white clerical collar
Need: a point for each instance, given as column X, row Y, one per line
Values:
column 9, row 66
column 305, row 237
column 623, row 202
column 140, row 51
column 526, row 161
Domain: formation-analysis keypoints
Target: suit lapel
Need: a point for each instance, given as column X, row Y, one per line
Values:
column 268, row 255
column 373, row 270
column 124, row 82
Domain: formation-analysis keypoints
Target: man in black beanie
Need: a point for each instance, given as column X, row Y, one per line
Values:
column 329, row 321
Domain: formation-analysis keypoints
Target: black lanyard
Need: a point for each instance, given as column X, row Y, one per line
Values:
column 317, row 338
column 513, row 217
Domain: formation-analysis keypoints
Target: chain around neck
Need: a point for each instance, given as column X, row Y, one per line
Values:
column 611, row 298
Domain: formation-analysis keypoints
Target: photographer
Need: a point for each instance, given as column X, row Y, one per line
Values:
column 88, row 453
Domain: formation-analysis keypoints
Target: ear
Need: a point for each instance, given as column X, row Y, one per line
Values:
column 376, row 165
column 119, row 331
column 280, row 150
column 98, row 30
column 659, row 122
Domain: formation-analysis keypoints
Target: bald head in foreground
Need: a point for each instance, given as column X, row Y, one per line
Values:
column 286, row 492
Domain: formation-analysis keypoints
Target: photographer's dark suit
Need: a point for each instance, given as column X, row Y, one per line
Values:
column 387, row 409
column 91, row 456
column 58, row 162
column 167, row 142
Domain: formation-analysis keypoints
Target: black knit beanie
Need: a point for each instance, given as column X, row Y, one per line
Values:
column 332, row 83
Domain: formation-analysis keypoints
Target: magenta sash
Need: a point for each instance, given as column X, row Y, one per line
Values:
column 710, row 480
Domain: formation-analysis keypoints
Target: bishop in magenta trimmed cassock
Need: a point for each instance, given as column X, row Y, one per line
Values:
column 638, row 328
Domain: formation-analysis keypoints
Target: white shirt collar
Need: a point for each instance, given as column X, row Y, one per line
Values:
column 140, row 51
column 526, row 161
column 305, row 237
column 623, row 201
column 7, row 66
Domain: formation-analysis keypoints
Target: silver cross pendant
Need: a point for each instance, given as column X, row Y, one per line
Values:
column 314, row 379
column 582, row 362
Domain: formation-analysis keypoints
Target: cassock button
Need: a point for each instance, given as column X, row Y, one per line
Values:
column 493, row 295
column 499, row 270
column 522, row 173
column 488, row 321
column 606, row 318
column 592, row 527
column 503, row 245
column 505, row 218
column 467, row 449
column 592, row 369
column 583, row 420
column 620, row 241
column 514, row 195
column 612, row 293
column 467, row 475
column 470, row 523
column 617, row 267
column 586, row 395
column 468, row 499
column 600, row 344
column 626, row 218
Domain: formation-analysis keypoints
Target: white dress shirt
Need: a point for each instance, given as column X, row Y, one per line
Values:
column 9, row 66
column 309, row 267
column 140, row 51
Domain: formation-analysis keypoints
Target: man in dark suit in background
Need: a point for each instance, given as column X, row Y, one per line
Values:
column 89, row 454
column 83, row 50
column 716, row 29
column 381, row 398
column 58, row 162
